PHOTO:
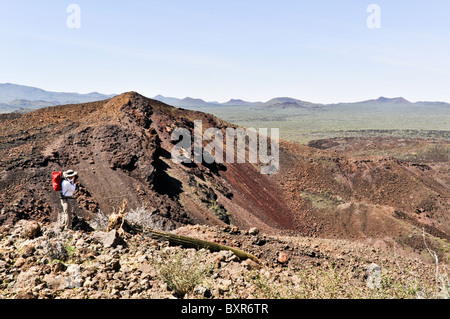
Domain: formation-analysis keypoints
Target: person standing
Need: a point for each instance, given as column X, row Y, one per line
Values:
column 68, row 187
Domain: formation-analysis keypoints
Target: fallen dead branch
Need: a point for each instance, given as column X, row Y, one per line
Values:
column 117, row 221
column 190, row 242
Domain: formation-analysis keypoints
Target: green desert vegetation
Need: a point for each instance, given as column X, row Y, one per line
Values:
column 344, row 120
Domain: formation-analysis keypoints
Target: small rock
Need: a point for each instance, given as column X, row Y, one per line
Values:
column 126, row 269
column 48, row 293
column 104, row 259
column 250, row 264
column 203, row 291
column 234, row 230
column 58, row 266
column 225, row 256
column 27, row 280
column 32, row 229
column 112, row 239
column 231, row 229
column 253, row 231
column 56, row 282
column 89, row 283
column 19, row 262
column 28, row 250
column 74, row 270
column 114, row 265
column 80, row 243
column 258, row 240
column 97, row 237
column 224, row 285
column 283, row 258
column 25, row 295
column 4, row 229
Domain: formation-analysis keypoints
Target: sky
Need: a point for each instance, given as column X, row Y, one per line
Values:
column 318, row 51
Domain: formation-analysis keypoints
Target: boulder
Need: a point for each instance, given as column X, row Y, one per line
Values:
column 57, row 282
column 32, row 229
column 74, row 276
column 373, row 276
column 25, row 295
column 112, row 239
column 27, row 280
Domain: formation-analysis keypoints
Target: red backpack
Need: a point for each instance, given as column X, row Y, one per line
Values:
column 57, row 180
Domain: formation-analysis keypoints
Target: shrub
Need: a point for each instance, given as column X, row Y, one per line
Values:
column 99, row 221
column 181, row 272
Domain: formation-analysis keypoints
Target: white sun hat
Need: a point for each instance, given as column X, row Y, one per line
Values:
column 69, row 173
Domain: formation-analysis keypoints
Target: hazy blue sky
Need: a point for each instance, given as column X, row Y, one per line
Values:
column 319, row 51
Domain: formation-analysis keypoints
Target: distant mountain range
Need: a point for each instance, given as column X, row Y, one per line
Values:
column 19, row 98
column 279, row 102
column 287, row 102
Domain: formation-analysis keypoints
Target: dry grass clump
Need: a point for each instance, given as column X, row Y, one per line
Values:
column 183, row 271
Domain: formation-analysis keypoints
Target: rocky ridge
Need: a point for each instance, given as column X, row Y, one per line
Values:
column 39, row 262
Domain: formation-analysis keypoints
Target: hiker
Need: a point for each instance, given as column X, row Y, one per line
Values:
column 68, row 187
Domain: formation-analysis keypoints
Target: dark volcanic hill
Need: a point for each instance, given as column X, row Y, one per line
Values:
column 121, row 149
